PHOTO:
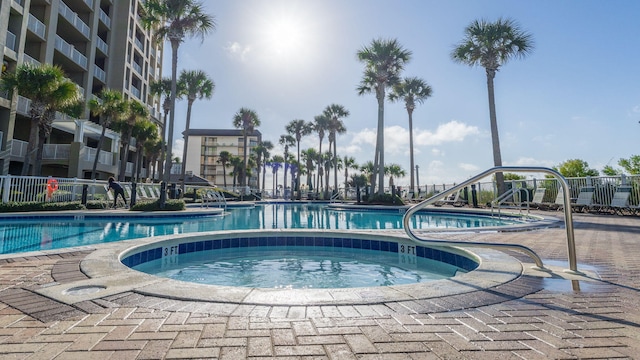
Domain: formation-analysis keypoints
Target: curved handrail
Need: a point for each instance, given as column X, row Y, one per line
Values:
column 567, row 216
column 504, row 196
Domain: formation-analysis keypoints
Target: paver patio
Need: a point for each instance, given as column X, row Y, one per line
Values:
column 601, row 320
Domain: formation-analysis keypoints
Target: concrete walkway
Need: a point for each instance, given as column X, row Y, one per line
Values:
column 534, row 318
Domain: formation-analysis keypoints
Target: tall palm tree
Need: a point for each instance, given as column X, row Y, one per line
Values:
column 174, row 20
column 197, row 85
column 490, row 45
column 224, row 159
column 368, row 170
column 298, row 128
column 320, row 126
column 247, row 120
column 109, row 108
column 237, row 164
column 143, row 130
column 38, row 83
column 286, row 141
column 276, row 164
column 394, row 171
column 153, row 149
column 335, row 113
column 348, row 162
column 411, row 90
column 262, row 155
column 384, row 61
column 161, row 88
column 65, row 98
column 327, row 163
column 309, row 157
column 135, row 111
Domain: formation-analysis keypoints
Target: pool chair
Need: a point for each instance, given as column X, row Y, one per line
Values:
column 585, row 199
column 620, row 201
column 453, row 199
column 538, row 198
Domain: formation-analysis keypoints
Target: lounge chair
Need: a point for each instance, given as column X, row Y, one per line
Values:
column 538, row 198
column 585, row 199
column 453, row 199
column 620, row 201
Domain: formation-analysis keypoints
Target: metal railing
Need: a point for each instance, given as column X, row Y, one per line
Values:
column 573, row 266
column 497, row 203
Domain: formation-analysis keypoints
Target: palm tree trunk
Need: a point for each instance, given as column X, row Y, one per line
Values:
column 380, row 142
column 495, row 140
column 319, row 165
column 186, row 143
column 31, row 146
column 244, row 173
column 335, row 166
column 411, row 161
column 175, row 43
column 124, row 155
column 224, row 174
column 95, row 161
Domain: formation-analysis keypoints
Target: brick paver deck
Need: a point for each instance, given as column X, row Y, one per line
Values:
column 554, row 320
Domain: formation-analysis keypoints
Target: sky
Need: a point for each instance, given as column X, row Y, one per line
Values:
column 575, row 96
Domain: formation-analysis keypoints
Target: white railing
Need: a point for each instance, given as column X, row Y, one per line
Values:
column 129, row 168
column 23, row 105
column 89, row 3
column 19, row 2
column 29, row 60
column 139, row 44
column 137, row 67
column 73, row 18
column 36, row 26
column 99, row 74
column 56, row 151
column 70, row 51
column 136, row 92
column 104, row 18
column 105, row 157
column 102, row 45
column 11, row 40
column 19, row 148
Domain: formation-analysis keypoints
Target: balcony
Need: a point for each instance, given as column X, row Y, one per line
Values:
column 137, row 67
column 71, row 52
column 139, row 44
column 102, row 46
column 19, row 2
column 36, row 26
column 73, row 18
column 136, row 92
column 11, row 41
column 105, row 157
column 104, row 18
column 99, row 74
column 18, row 148
column 56, row 151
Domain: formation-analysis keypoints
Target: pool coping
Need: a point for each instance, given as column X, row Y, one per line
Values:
column 110, row 277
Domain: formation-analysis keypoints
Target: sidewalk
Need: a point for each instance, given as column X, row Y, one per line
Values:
column 601, row 320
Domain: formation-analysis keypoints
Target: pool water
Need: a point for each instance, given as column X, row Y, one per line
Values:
column 63, row 232
column 300, row 267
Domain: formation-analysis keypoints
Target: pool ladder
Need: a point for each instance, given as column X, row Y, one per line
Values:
column 568, row 219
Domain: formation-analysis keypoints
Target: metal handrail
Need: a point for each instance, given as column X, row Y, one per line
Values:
column 573, row 266
column 504, row 196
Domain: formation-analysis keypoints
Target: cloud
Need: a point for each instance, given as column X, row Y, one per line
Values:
column 178, row 149
column 527, row 161
column 453, row 131
column 237, row 51
column 468, row 167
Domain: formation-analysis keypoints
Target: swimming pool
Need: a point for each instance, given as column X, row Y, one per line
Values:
column 44, row 233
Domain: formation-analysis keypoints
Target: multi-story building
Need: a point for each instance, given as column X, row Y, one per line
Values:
column 99, row 44
column 205, row 146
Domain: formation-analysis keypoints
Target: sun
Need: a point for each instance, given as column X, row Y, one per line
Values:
column 285, row 37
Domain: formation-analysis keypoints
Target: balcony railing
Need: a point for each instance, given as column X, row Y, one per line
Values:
column 19, row 148
column 19, row 2
column 56, row 151
column 105, row 157
column 129, row 168
column 105, row 18
column 137, row 67
column 139, row 44
column 73, row 18
column 36, row 26
column 100, row 44
column 11, row 40
column 136, row 92
column 99, row 74
column 70, row 51
column 29, row 60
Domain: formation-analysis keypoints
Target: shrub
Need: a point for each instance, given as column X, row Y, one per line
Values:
column 40, row 206
column 385, row 199
column 170, row 205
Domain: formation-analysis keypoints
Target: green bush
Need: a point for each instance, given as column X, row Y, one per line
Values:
column 40, row 206
column 170, row 205
column 97, row 204
column 385, row 199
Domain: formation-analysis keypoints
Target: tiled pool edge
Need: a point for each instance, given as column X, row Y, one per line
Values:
column 105, row 269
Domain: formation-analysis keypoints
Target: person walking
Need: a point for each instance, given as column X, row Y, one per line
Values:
column 117, row 190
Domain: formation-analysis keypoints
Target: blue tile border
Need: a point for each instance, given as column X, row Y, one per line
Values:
column 460, row 261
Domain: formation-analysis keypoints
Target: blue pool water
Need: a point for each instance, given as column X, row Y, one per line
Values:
column 55, row 233
column 299, row 267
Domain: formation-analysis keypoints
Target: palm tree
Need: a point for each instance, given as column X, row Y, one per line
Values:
column 327, row 163
column 135, row 111
column 174, row 20
column 224, row 158
column 276, row 164
column 65, row 98
column 262, row 154
column 368, row 170
column 298, row 128
column 38, row 83
column 411, row 90
column 143, row 130
column 109, row 108
column 335, row 113
column 394, row 171
column 309, row 157
column 490, row 45
column 238, row 168
column 246, row 120
column 153, row 149
column 320, row 125
column 349, row 163
column 197, row 85
column 162, row 87
column 384, row 61
column 286, row 141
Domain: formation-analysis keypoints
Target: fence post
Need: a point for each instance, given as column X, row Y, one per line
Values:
column 6, row 188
